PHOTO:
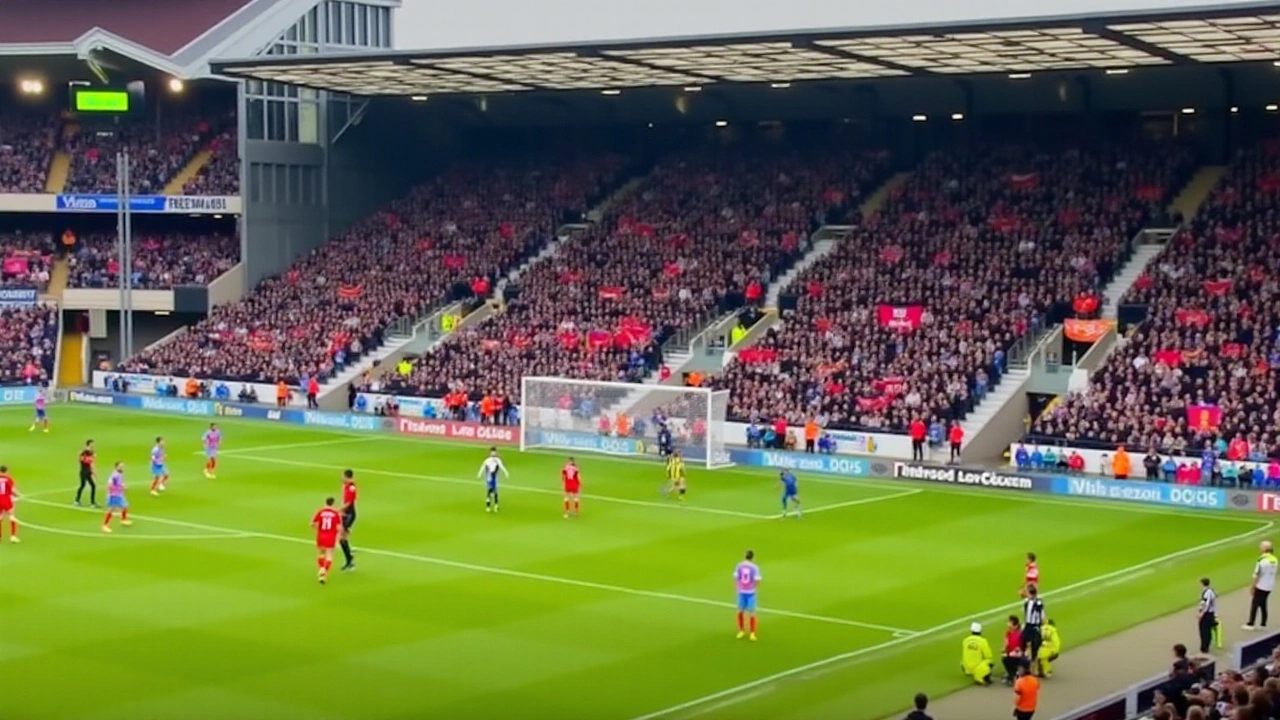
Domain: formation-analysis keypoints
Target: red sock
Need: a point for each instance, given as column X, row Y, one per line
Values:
column 13, row 526
column 124, row 514
column 155, row 482
column 320, row 563
column 753, row 623
column 328, row 565
column 107, row 520
column 741, row 625
column 213, row 463
column 576, row 505
column 566, row 506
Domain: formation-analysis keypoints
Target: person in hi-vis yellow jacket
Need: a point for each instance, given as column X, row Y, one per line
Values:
column 1050, row 649
column 975, row 656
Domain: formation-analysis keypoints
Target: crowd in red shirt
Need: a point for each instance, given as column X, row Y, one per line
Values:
column 28, row 342
column 1204, row 364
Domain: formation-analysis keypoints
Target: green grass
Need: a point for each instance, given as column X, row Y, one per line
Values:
column 208, row 606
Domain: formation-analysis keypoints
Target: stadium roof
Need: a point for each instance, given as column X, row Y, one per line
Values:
column 1235, row 35
column 174, row 36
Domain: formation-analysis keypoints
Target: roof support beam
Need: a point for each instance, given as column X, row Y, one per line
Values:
column 467, row 73
column 842, row 53
column 649, row 66
column 1136, row 44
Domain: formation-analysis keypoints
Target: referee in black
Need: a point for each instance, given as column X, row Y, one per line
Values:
column 1206, row 615
column 1032, row 620
column 87, row 479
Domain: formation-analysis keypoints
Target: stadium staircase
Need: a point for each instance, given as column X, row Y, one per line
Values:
column 59, row 274
column 71, row 358
column 188, row 172
column 60, row 165
column 1152, row 243
column 1188, row 202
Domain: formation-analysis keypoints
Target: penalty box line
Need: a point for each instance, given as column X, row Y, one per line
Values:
column 505, row 572
column 854, row 657
column 243, row 455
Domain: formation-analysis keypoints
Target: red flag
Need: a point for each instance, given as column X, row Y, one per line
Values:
column 15, row 266
column 1217, row 287
column 900, row 317
column 1191, row 316
column 1150, row 193
column 612, row 292
column 1204, row 417
column 350, row 292
column 1169, row 358
column 1024, row 181
column 891, row 254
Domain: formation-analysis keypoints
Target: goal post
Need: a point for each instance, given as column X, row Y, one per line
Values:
column 623, row 418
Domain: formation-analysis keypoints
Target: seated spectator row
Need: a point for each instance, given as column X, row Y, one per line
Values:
column 156, row 157
column 458, row 233
column 160, row 260
column 912, row 315
column 25, row 259
column 26, row 149
column 705, row 232
column 1204, row 364
column 221, row 175
column 28, row 344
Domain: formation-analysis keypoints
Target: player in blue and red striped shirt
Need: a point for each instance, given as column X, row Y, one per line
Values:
column 212, row 439
column 159, row 470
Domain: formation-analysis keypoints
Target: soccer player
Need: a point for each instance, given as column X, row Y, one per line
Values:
column 572, row 487
column 790, row 493
column 115, row 499
column 328, row 523
column 42, row 412
column 159, row 470
column 675, row 476
column 1030, row 576
column 88, row 475
column 746, row 578
column 8, row 493
column 212, row 439
column 348, row 517
column 489, row 470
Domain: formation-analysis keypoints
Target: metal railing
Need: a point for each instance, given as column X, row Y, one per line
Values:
column 682, row 339
column 1019, row 354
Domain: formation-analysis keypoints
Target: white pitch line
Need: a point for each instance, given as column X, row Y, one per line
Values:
column 288, row 446
column 124, row 534
column 854, row 657
column 861, row 501
column 506, row 572
column 511, row 486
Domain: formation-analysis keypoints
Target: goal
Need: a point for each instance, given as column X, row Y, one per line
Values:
column 623, row 418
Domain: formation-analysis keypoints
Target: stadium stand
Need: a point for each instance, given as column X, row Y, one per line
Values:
column 221, row 175
column 472, row 223
column 26, row 148
column 25, row 259
column 705, row 233
column 914, row 313
column 1201, row 366
column 160, row 260
column 28, row 343
column 157, row 156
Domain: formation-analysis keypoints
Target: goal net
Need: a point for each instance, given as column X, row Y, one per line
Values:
column 623, row 418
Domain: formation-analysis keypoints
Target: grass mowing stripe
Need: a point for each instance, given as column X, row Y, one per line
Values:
column 1104, row 505
column 854, row 657
column 471, row 567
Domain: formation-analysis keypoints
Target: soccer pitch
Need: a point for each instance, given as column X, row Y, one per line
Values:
column 208, row 607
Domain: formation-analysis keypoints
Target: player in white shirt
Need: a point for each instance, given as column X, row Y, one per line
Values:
column 489, row 470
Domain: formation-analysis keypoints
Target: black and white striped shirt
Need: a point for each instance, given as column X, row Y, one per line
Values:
column 1208, row 601
column 1033, row 612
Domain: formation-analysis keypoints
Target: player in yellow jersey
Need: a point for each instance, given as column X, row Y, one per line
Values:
column 675, row 476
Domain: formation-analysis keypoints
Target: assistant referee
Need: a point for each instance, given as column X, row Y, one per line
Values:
column 1264, row 582
column 1206, row 615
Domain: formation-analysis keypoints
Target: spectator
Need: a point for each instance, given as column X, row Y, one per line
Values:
column 28, row 343
column 160, row 261
column 921, row 704
column 26, row 149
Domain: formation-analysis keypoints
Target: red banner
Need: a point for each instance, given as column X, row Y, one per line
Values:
column 754, row 356
column 1204, row 417
column 1151, row 193
column 1086, row 331
column 451, row 430
column 612, row 292
column 891, row 386
column 900, row 317
column 1168, row 358
column 1024, row 181
column 16, row 266
column 350, row 292
column 1217, row 287
column 1191, row 316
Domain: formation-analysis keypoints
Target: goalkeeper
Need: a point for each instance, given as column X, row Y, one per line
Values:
column 666, row 445
column 975, row 656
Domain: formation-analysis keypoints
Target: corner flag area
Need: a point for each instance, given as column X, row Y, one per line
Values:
column 209, row 599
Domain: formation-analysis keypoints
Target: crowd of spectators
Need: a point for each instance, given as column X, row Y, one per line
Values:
column 26, row 149
column 221, row 175
column 157, row 153
column 28, row 344
column 160, row 261
column 1202, row 368
column 912, row 316
column 705, row 233
column 1191, row 692
column 452, row 237
column 25, row 259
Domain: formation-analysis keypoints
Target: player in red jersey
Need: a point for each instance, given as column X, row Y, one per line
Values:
column 572, row 487
column 328, row 525
column 8, row 493
column 1031, row 576
column 348, row 517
